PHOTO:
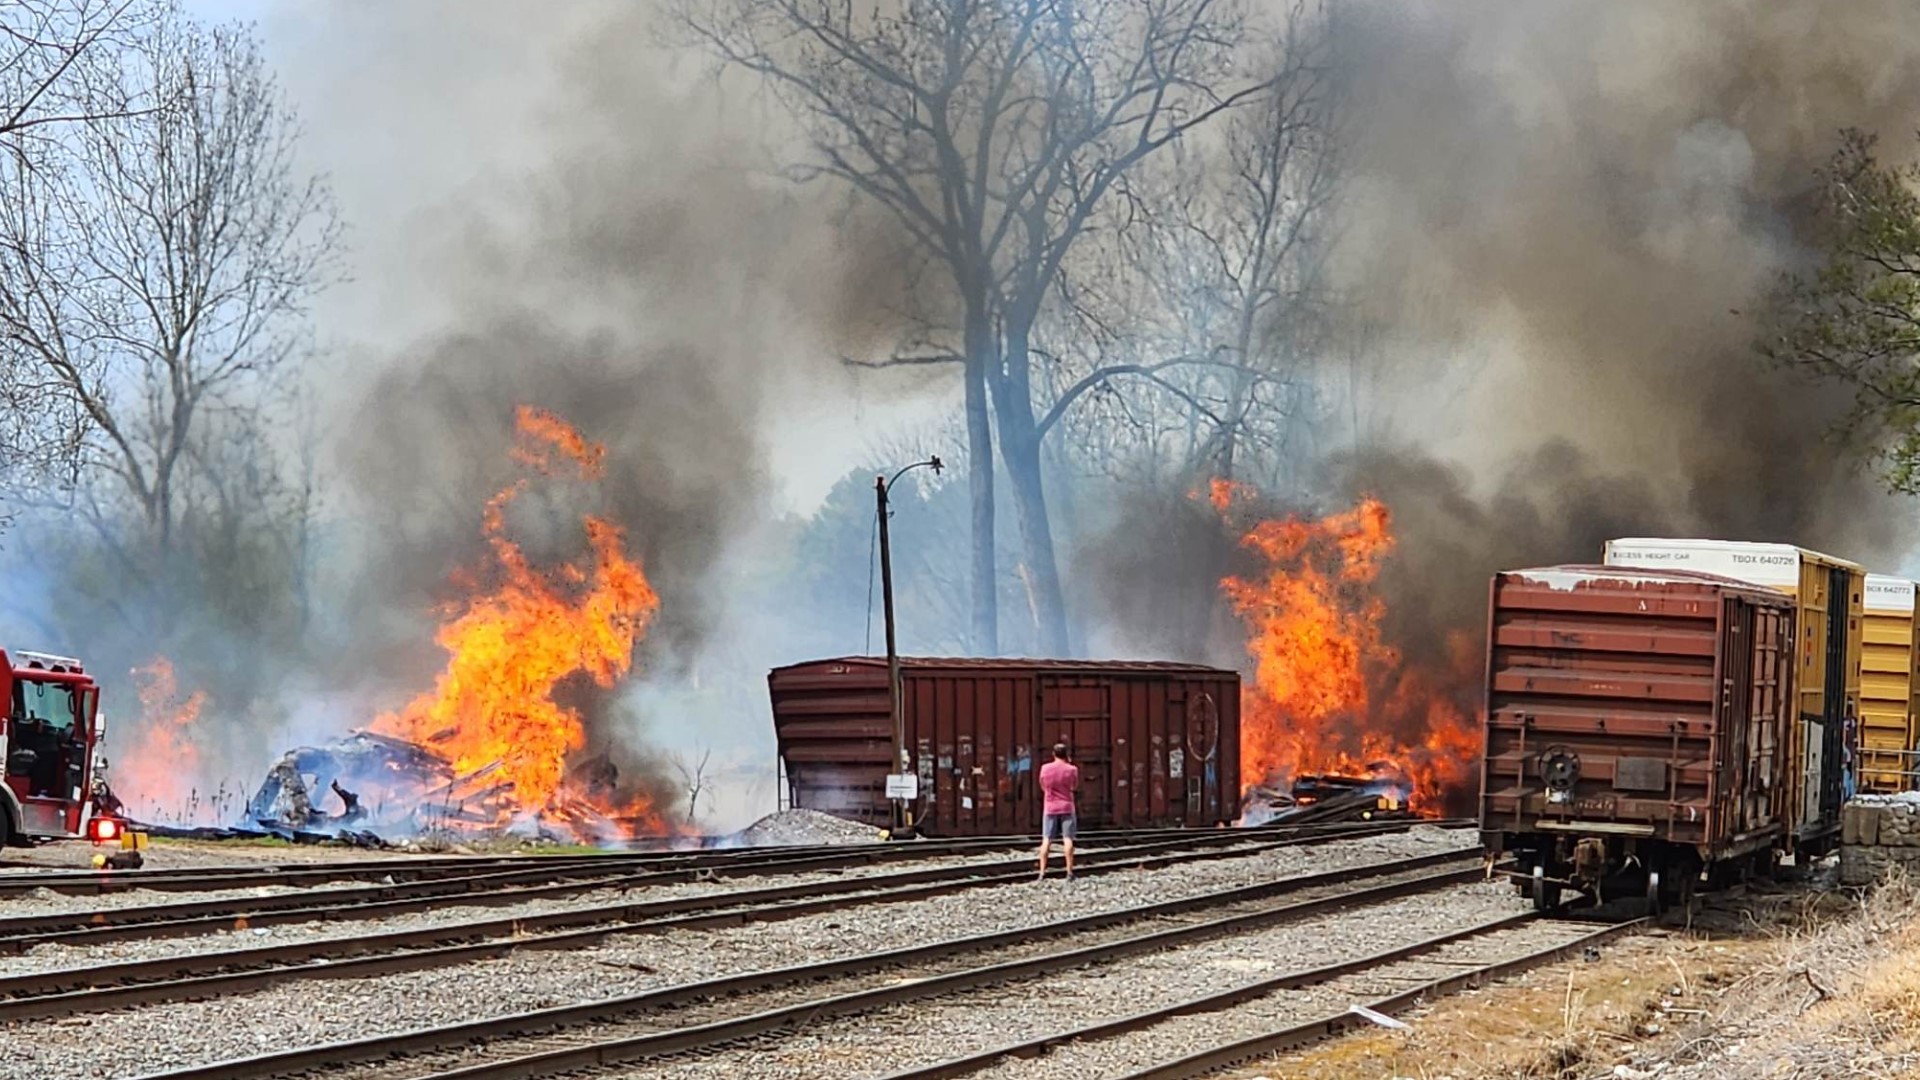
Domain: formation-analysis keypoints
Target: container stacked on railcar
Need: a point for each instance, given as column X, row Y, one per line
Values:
column 1828, row 595
column 1888, row 685
column 1158, row 744
column 1636, row 726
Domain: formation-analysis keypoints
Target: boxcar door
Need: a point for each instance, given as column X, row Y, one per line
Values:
column 1079, row 716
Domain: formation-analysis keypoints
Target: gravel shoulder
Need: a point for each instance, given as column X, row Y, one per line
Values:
column 320, row 1011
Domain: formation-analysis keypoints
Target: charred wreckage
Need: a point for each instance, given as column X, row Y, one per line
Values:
column 368, row 787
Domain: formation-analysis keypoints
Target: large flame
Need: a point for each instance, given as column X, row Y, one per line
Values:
column 512, row 644
column 1329, row 695
column 153, row 767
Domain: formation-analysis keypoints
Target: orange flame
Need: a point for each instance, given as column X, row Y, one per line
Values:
column 153, row 771
column 1329, row 696
column 510, row 648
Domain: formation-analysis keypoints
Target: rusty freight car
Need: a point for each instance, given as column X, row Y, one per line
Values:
column 1637, row 727
column 1828, row 597
column 1158, row 744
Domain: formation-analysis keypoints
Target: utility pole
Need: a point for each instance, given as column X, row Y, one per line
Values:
column 901, row 815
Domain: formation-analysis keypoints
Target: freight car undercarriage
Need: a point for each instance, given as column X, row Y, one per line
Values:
column 1614, row 866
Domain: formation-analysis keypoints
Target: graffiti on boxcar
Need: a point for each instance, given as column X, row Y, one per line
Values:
column 923, row 765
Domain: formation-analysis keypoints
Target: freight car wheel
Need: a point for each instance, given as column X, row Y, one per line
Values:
column 1653, row 892
column 1546, row 894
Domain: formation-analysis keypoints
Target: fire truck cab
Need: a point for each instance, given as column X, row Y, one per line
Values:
column 47, row 742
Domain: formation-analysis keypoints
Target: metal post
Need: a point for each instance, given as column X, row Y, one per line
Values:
column 898, row 814
column 893, row 654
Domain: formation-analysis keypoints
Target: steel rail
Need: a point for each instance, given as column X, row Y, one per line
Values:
column 399, row 870
column 654, row 1044
column 407, row 868
column 1327, row 1027
column 101, row 987
column 81, row 883
column 87, row 927
column 968, row 1064
column 511, row 885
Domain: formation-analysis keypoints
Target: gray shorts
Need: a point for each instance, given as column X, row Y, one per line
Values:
column 1056, row 826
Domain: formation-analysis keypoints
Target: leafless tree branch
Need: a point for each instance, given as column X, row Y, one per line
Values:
column 155, row 267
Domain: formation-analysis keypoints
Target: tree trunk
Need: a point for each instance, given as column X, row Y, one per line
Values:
column 986, row 607
column 1021, row 453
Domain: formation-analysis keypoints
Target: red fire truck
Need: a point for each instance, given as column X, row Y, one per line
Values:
column 48, row 740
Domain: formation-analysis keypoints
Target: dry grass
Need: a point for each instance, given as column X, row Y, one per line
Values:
column 1780, row 986
column 1838, row 1000
column 1555, row 1022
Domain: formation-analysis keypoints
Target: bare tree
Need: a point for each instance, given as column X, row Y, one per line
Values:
column 51, row 55
column 47, row 52
column 154, row 278
column 1196, row 332
column 693, row 777
column 993, row 132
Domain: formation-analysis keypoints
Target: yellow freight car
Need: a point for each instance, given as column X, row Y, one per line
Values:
column 1888, row 685
column 1828, row 594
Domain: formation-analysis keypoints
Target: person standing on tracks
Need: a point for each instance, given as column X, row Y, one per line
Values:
column 1059, row 779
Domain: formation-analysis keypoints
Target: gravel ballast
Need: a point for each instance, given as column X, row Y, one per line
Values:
column 927, row 1031
column 53, row 957
column 319, row 1010
column 806, row 827
column 1204, row 875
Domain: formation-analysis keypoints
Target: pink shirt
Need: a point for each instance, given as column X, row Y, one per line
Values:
column 1058, row 779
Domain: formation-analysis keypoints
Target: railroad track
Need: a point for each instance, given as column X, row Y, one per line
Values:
column 714, row 1015
column 97, row 926
column 427, row 868
column 209, row 879
column 195, row 976
column 1386, row 982
column 397, row 870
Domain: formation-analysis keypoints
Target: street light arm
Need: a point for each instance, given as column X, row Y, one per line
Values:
column 900, row 814
column 932, row 462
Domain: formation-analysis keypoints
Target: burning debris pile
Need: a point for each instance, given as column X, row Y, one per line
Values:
column 492, row 748
column 377, row 784
column 1330, row 697
column 1375, row 797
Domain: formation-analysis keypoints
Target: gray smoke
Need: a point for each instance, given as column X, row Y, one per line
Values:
column 650, row 281
column 1587, row 206
column 1564, row 222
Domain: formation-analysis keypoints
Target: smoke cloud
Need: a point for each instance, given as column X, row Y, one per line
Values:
column 651, row 281
column 1585, row 207
column 1562, row 223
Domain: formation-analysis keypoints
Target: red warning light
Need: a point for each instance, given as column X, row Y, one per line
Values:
column 105, row 829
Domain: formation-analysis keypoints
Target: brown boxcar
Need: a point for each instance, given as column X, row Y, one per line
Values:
column 1158, row 744
column 1828, row 595
column 1637, row 725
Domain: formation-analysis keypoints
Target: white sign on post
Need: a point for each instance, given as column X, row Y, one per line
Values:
column 903, row 786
